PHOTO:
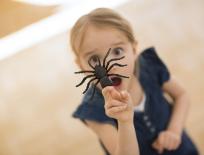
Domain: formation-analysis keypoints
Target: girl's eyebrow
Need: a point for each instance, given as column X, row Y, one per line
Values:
column 114, row 44
column 89, row 53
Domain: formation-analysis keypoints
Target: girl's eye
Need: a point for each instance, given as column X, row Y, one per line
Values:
column 94, row 59
column 118, row 51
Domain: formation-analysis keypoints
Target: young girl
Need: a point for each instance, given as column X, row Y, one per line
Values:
column 131, row 117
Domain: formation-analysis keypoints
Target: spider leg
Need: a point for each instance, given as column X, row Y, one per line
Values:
column 94, row 89
column 114, row 59
column 83, row 72
column 104, row 60
column 115, row 64
column 122, row 76
column 99, row 61
column 90, row 64
column 84, row 80
column 87, row 86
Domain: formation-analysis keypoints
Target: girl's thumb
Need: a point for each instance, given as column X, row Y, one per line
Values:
column 106, row 91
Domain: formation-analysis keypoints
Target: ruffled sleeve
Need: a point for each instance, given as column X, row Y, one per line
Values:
column 158, row 69
column 93, row 109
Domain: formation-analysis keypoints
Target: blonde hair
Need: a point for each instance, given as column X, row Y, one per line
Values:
column 99, row 17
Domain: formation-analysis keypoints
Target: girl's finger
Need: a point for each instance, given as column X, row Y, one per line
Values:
column 166, row 141
column 155, row 145
column 115, row 94
column 161, row 144
column 171, row 141
column 124, row 95
column 160, row 149
column 175, row 144
column 113, row 103
column 106, row 92
column 172, row 144
column 158, row 146
column 117, row 109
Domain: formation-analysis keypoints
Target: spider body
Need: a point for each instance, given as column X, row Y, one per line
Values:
column 100, row 73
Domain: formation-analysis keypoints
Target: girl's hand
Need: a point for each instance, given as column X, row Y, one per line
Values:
column 118, row 105
column 168, row 140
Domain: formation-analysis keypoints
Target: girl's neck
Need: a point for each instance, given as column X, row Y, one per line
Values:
column 136, row 91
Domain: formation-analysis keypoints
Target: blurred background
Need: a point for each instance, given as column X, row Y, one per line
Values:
column 37, row 84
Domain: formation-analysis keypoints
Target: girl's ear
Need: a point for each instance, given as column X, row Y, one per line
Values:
column 134, row 46
column 77, row 61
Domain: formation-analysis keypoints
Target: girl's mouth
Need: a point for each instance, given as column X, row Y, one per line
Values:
column 116, row 81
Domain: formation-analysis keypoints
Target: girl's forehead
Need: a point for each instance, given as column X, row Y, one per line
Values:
column 96, row 38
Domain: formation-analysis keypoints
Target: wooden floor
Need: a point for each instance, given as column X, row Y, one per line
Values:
column 37, row 85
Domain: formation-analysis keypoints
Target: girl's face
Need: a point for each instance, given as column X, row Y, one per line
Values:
column 97, row 41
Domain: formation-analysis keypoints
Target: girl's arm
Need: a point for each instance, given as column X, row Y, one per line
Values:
column 180, row 106
column 117, row 142
column 122, row 141
column 127, row 140
column 170, row 139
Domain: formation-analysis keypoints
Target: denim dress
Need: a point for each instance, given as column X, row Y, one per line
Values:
column 156, row 115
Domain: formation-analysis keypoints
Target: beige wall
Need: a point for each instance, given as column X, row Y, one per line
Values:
column 15, row 15
column 38, row 94
column 37, row 85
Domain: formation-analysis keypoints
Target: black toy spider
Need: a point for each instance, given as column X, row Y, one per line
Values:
column 100, row 73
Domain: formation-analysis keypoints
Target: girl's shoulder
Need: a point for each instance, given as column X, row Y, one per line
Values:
column 151, row 57
column 151, row 63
